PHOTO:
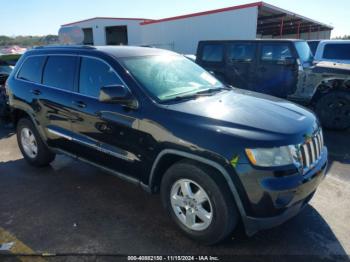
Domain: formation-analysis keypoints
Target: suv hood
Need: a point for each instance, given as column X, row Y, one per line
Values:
column 251, row 115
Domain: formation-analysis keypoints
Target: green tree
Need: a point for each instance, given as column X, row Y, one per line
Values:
column 28, row 41
column 345, row 37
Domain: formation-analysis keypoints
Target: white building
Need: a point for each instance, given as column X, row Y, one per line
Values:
column 182, row 33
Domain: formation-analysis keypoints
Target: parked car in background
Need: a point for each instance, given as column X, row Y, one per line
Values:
column 219, row 156
column 337, row 51
column 313, row 44
column 7, row 63
column 285, row 69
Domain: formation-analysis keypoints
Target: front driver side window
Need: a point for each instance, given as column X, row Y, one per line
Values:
column 95, row 74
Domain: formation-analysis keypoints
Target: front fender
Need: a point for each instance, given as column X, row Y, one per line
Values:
column 220, row 168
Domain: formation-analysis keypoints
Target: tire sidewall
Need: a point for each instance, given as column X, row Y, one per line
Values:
column 224, row 216
column 26, row 123
column 320, row 107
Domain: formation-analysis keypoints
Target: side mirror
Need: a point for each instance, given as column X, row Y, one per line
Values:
column 118, row 94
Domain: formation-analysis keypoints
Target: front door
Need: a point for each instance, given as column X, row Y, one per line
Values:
column 276, row 76
column 105, row 133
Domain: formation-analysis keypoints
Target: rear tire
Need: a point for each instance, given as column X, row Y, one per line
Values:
column 333, row 110
column 207, row 212
column 34, row 151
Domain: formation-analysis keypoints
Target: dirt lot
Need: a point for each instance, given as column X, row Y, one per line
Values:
column 72, row 207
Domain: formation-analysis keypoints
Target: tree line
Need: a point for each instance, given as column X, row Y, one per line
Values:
column 345, row 37
column 27, row 41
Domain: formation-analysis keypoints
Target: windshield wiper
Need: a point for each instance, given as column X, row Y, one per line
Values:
column 206, row 92
column 188, row 97
column 212, row 90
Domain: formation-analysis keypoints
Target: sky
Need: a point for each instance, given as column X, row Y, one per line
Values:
column 41, row 17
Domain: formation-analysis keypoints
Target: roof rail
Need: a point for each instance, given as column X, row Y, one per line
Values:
column 66, row 47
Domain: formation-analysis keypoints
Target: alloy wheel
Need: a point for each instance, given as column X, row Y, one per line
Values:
column 191, row 204
column 29, row 143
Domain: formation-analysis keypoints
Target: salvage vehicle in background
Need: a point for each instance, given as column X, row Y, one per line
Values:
column 7, row 63
column 219, row 156
column 285, row 69
column 337, row 51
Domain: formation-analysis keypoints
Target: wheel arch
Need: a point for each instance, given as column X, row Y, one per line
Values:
column 330, row 84
column 168, row 157
column 18, row 113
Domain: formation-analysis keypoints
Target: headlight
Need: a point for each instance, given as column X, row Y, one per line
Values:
column 272, row 157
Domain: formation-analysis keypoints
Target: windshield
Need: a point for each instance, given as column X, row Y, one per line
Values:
column 304, row 51
column 170, row 76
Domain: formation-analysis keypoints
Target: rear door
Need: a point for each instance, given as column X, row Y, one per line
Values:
column 55, row 107
column 275, row 75
column 29, row 77
column 211, row 57
column 240, row 64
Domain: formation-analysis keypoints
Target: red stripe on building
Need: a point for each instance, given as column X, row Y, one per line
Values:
column 257, row 4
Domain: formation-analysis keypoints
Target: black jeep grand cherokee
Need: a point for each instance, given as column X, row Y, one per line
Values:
column 218, row 155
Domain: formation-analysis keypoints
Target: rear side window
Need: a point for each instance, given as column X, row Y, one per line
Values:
column 213, row 53
column 95, row 74
column 31, row 69
column 59, row 72
column 337, row 51
column 275, row 52
column 241, row 52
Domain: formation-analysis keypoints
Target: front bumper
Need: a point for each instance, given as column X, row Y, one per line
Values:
column 280, row 198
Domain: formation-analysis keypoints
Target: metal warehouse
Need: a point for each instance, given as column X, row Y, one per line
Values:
column 182, row 33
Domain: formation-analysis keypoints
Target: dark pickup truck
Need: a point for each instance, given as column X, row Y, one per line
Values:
column 285, row 69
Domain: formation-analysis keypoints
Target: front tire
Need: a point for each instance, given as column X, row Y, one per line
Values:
column 34, row 151
column 333, row 109
column 202, row 207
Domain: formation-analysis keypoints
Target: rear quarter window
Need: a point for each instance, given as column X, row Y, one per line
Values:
column 213, row 53
column 31, row 69
column 337, row 51
column 59, row 72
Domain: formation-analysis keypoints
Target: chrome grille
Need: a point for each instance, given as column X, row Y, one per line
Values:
column 310, row 152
